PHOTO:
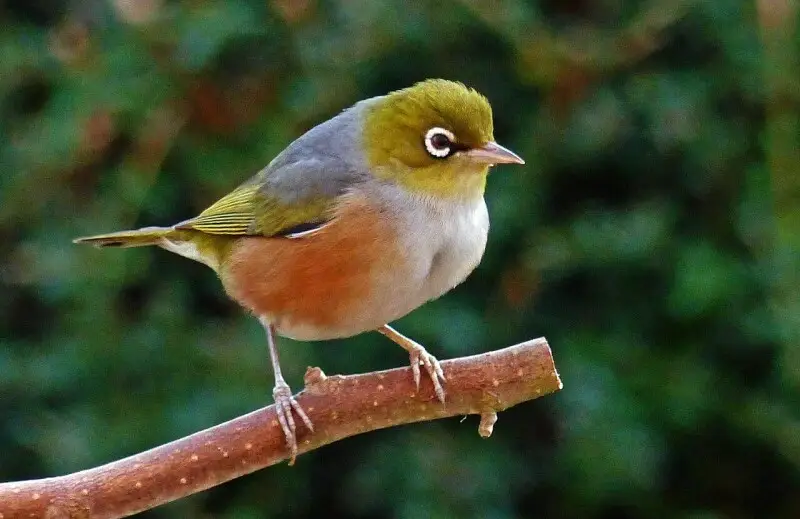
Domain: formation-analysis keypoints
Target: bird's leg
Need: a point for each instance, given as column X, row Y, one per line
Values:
column 284, row 401
column 419, row 355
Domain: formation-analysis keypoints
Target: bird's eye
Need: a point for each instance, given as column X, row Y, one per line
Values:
column 439, row 142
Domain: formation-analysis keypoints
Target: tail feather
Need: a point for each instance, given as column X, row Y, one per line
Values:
column 134, row 238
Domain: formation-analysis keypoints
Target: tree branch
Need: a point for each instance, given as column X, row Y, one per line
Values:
column 339, row 406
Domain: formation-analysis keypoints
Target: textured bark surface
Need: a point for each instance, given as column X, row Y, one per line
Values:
column 339, row 406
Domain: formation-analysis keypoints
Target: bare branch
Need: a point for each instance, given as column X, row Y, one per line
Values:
column 339, row 406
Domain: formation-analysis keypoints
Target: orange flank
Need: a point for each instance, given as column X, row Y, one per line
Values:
column 324, row 281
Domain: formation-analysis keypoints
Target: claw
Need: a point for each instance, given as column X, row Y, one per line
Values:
column 302, row 414
column 415, row 360
column 419, row 355
column 284, row 403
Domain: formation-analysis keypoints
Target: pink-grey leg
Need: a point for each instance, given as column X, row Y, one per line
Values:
column 284, row 401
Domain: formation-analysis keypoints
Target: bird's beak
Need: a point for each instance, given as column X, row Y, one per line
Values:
column 493, row 153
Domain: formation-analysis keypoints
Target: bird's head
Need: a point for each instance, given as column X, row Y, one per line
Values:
column 434, row 138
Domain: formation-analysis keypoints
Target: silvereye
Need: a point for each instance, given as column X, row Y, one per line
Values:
column 356, row 223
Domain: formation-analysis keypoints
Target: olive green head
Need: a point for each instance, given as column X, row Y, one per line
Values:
column 435, row 137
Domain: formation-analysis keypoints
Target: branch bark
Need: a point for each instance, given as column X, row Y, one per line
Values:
column 339, row 406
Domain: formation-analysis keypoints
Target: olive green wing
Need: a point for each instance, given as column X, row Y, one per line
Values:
column 287, row 200
column 233, row 214
column 247, row 211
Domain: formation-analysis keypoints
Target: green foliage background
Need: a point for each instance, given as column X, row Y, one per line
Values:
column 652, row 237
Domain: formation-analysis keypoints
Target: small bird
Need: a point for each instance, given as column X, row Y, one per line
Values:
column 356, row 223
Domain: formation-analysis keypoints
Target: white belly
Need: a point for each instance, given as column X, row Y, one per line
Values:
column 444, row 244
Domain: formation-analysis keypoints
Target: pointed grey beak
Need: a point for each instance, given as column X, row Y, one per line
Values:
column 493, row 153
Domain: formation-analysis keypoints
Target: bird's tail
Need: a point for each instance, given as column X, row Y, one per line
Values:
column 134, row 238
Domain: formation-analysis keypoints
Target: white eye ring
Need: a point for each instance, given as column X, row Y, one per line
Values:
column 432, row 149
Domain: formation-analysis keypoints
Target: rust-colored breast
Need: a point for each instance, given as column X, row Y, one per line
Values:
column 323, row 281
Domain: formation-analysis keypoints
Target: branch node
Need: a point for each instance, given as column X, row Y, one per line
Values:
column 314, row 376
column 486, row 427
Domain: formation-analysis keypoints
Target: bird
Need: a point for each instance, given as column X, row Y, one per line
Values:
column 356, row 223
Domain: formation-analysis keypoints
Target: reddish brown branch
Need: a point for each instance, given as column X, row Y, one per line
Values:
column 339, row 406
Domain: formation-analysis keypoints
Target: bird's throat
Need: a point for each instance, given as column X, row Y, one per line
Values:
column 444, row 182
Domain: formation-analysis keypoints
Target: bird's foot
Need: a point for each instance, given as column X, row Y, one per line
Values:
column 284, row 404
column 419, row 355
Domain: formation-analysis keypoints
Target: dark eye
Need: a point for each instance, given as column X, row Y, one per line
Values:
column 439, row 142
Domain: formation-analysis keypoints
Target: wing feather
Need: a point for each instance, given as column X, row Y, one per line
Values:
column 265, row 208
column 233, row 214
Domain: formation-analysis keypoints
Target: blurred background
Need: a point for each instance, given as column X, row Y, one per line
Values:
column 652, row 237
